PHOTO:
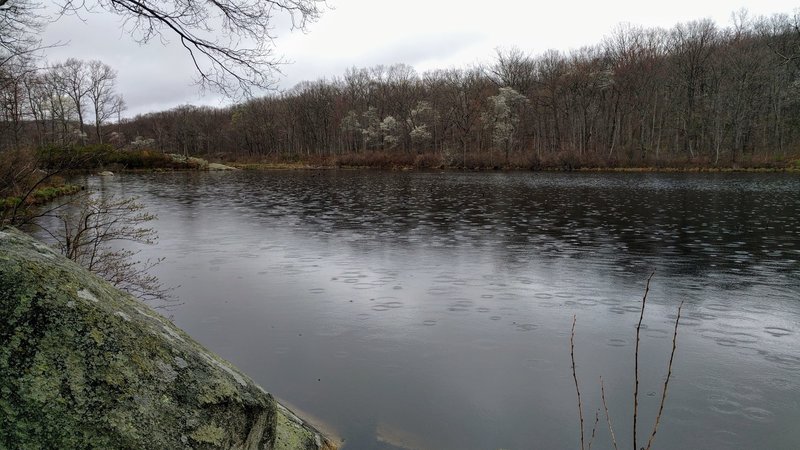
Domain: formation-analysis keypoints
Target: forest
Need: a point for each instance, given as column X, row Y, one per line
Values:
column 695, row 95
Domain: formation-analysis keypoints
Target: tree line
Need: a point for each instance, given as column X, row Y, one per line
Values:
column 697, row 93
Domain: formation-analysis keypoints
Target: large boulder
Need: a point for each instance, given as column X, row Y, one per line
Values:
column 84, row 365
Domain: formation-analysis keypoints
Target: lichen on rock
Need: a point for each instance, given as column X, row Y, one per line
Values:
column 84, row 365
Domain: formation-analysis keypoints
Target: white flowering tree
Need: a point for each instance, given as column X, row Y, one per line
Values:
column 502, row 117
column 420, row 122
column 389, row 129
column 371, row 131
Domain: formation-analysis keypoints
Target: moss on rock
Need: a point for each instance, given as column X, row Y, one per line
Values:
column 84, row 365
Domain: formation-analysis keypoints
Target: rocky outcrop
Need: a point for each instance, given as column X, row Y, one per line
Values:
column 84, row 365
column 199, row 163
column 218, row 166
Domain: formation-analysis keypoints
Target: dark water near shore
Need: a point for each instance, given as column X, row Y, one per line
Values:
column 433, row 310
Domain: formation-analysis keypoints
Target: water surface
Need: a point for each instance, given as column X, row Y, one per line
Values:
column 433, row 310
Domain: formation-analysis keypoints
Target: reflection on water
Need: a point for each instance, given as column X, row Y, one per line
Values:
column 432, row 310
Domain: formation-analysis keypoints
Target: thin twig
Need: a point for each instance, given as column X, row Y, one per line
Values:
column 608, row 416
column 575, row 375
column 666, row 381
column 636, row 363
column 594, row 428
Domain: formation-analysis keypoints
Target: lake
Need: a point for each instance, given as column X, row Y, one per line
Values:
column 433, row 310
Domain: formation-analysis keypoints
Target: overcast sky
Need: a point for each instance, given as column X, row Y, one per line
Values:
column 426, row 34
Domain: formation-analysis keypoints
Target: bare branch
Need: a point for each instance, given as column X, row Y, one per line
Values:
column 594, row 428
column 666, row 380
column 636, row 362
column 230, row 42
column 608, row 416
column 575, row 377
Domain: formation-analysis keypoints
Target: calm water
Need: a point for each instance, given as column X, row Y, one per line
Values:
column 433, row 310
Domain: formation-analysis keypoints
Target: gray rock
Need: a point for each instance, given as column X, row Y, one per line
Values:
column 84, row 365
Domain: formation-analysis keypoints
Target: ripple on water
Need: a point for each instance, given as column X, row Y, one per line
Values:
column 586, row 302
column 429, row 322
column 609, row 301
column 460, row 305
column 290, row 271
column 386, row 303
column 724, row 405
column 657, row 333
column 782, row 384
column 690, row 322
column 757, row 309
column 440, row 290
column 777, row 331
column 617, row 342
column 701, row 315
column 526, row 327
column 719, row 307
column 548, row 305
column 784, row 360
column 757, row 414
column 729, row 338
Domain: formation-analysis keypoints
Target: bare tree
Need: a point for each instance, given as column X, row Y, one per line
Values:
column 230, row 42
column 73, row 76
column 102, row 96
column 515, row 69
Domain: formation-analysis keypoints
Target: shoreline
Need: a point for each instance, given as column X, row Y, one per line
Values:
column 409, row 168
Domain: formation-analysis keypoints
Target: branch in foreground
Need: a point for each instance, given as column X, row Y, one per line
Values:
column 575, row 376
column 666, row 381
column 636, row 386
column 636, row 362
column 608, row 416
column 230, row 42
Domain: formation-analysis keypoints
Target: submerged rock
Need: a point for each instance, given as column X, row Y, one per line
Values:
column 84, row 365
column 218, row 166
